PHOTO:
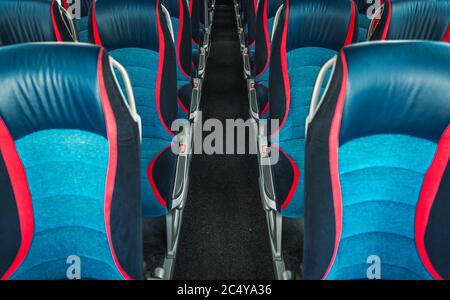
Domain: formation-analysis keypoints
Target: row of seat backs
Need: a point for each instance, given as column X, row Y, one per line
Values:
column 148, row 55
column 189, row 14
column 369, row 226
column 197, row 11
column 265, row 19
column 153, row 77
column 69, row 166
column 111, row 28
column 377, row 165
column 308, row 33
column 186, row 51
column 401, row 20
column 299, row 52
column 248, row 9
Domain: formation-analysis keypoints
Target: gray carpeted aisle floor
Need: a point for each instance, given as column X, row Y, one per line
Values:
column 224, row 234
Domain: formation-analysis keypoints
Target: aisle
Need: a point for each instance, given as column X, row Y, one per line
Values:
column 224, row 233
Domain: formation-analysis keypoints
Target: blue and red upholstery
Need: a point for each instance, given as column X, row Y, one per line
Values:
column 414, row 20
column 248, row 17
column 378, row 165
column 197, row 39
column 137, row 35
column 308, row 34
column 23, row 21
column 181, row 24
column 69, row 166
column 80, row 23
column 265, row 18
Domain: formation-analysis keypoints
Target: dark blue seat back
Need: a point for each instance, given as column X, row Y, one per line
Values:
column 265, row 18
column 377, row 165
column 69, row 166
column 248, row 18
column 181, row 24
column 136, row 34
column 23, row 21
column 197, row 11
column 414, row 20
column 308, row 34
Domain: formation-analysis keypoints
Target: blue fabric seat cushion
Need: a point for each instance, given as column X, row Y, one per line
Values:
column 381, row 178
column 66, row 174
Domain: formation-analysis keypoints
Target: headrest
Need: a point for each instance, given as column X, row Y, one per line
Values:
column 117, row 24
column 395, row 88
column 23, row 21
column 414, row 20
column 42, row 89
column 84, row 6
column 321, row 23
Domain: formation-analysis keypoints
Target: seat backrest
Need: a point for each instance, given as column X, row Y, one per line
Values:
column 136, row 33
column 24, row 21
column 182, row 31
column 194, row 10
column 307, row 35
column 377, row 161
column 181, row 24
column 265, row 17
column 79, row 11
column 414, row 20
column 69, row 166
column 248, row 16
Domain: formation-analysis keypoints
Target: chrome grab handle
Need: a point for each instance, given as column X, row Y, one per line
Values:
column 131, row 102
column 316, row 92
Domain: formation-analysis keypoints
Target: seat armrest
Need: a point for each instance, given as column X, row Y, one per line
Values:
column 206, row 40
column 266, row 180
column 253, row 99
column 242, row 38
column 184, row 142
column 247, row 66
column 202, row 63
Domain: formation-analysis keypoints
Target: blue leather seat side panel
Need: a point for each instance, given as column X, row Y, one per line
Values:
column 304, row 64
column 142, row 67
